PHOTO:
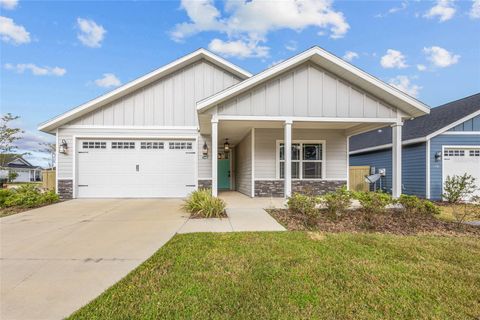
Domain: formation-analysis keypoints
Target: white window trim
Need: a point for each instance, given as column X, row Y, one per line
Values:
column 323, row 161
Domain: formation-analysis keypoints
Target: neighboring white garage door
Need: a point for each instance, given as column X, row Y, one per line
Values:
column 461, row 160
column 125, row 168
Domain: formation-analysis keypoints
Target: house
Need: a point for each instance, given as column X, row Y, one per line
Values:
column 201, row 121
column 444, row 143
column 26, row 172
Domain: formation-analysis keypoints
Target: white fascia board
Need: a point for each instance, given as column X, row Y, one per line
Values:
column 140, row 82
column 399, row 98
column 388, row 145
column 453, row 125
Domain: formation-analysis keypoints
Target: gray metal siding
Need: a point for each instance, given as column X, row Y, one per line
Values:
column 243, row 166
column 436, row 144
column 307, row 91
column 469, row 125
column 413, row 167
column 170, row 101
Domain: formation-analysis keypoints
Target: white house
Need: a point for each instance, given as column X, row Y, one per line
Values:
column 201, row 121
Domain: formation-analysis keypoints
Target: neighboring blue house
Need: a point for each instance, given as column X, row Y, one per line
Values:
column 444, row 143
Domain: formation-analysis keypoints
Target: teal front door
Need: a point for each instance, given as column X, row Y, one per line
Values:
column 224, row 174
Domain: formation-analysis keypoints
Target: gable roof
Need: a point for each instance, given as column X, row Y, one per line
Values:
column 91, row 105
column 9, row 158
column 411, row 106
column 440, row 119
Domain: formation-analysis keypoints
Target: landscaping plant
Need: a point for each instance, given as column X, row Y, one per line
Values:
column 458, row 188
column 201, row 203
column 462, row 211
column 415, row 205
column 26, row 196
column 305, row 205
column 337, row 202
column 373, row 202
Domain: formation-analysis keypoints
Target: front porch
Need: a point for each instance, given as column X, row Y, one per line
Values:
column 273, row 159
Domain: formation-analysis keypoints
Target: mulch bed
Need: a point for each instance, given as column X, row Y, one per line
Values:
column 392, row 222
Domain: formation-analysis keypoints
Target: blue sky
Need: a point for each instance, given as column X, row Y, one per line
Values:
column 57, row 55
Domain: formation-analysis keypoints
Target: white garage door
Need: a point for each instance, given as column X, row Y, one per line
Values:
column 461, row 160
column 125, row 168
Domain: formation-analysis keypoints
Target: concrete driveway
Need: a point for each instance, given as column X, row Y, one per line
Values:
column 57, row 258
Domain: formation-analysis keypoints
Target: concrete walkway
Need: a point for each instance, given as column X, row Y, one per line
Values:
column 244, row 214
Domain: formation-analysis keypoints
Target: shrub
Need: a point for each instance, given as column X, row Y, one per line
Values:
column 462, row 211
column 305, row 205
column 337, row 202
column 429, row 207
column 201, row 203
column 458, row 188
column 373, row 202
column 413, row 204
column 26, row 196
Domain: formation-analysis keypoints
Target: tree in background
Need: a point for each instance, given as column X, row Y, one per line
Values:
column 8, row 137
column 50, row 149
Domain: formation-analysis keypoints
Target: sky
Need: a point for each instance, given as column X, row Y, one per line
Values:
column 56, row 55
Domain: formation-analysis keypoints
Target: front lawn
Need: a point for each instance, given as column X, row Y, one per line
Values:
column 288, row 275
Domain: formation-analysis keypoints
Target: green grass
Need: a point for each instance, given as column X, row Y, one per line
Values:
column 447, row 214
column 299, row 275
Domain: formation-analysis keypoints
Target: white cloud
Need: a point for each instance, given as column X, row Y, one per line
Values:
column 108, row 80
column 421, row 67
column 393, row 59
column 238, row 48
column 11, row 32
column 36, row 70
column 251, row 21
column 444, row 10
column 393, row 10
column 350, row 55
column 291, row 46
column 441, row 57
column 8, row 4
column 91, row 34
column 475, row 10
column 404, row 84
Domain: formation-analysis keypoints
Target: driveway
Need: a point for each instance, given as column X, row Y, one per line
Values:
column 57, row 258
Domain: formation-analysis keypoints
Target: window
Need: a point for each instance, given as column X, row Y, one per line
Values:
column 151, row 145
column 307, row 160
column 454, row 153
column 123, row 145
column 474, row 153
column 180, row 145
column 94, row 145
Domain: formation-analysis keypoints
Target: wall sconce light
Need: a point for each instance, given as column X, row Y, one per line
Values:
column 438, row 156
column 63, row 148
column 226, row 146
column 205, row 150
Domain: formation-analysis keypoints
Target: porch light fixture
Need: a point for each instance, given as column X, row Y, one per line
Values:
column 438, row 156
column 63, row 148
column 205, row 150
column 226, row 146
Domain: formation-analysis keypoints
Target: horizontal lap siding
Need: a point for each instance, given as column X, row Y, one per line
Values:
column 266, row 144
column 469, row 125
column 306, row 91
column 243, row 165
column 436, row 144
column 413, row 167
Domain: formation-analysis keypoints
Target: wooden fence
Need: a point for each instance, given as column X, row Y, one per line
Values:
column 357, row 178
column 48, row 179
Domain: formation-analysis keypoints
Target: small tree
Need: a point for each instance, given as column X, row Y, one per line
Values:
column 49, row 149
column 463, row 211
column 12, row 175
column 8, row 137
column 458, row 188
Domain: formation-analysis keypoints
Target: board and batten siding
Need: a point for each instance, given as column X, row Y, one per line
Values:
column 243, row 165
column 266, row 145
column 307, row 91
column 413, row 168
column 436, row 144
column 469, row 125
column 169, row 101
column 204, row 165
column 65, row 161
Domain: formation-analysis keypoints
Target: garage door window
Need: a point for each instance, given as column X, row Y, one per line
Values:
column 151, row 145
column 454, row 153
column 94, row 145
column 180, row 145
column 123, row 145
column 474, row 153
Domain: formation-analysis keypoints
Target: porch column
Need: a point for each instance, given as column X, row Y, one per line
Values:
column 287, row 151
column 214, row 157
column 397, row 159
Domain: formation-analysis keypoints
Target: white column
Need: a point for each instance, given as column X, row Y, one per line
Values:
column 397, row 160
column 287, row 151
column 214, row 157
